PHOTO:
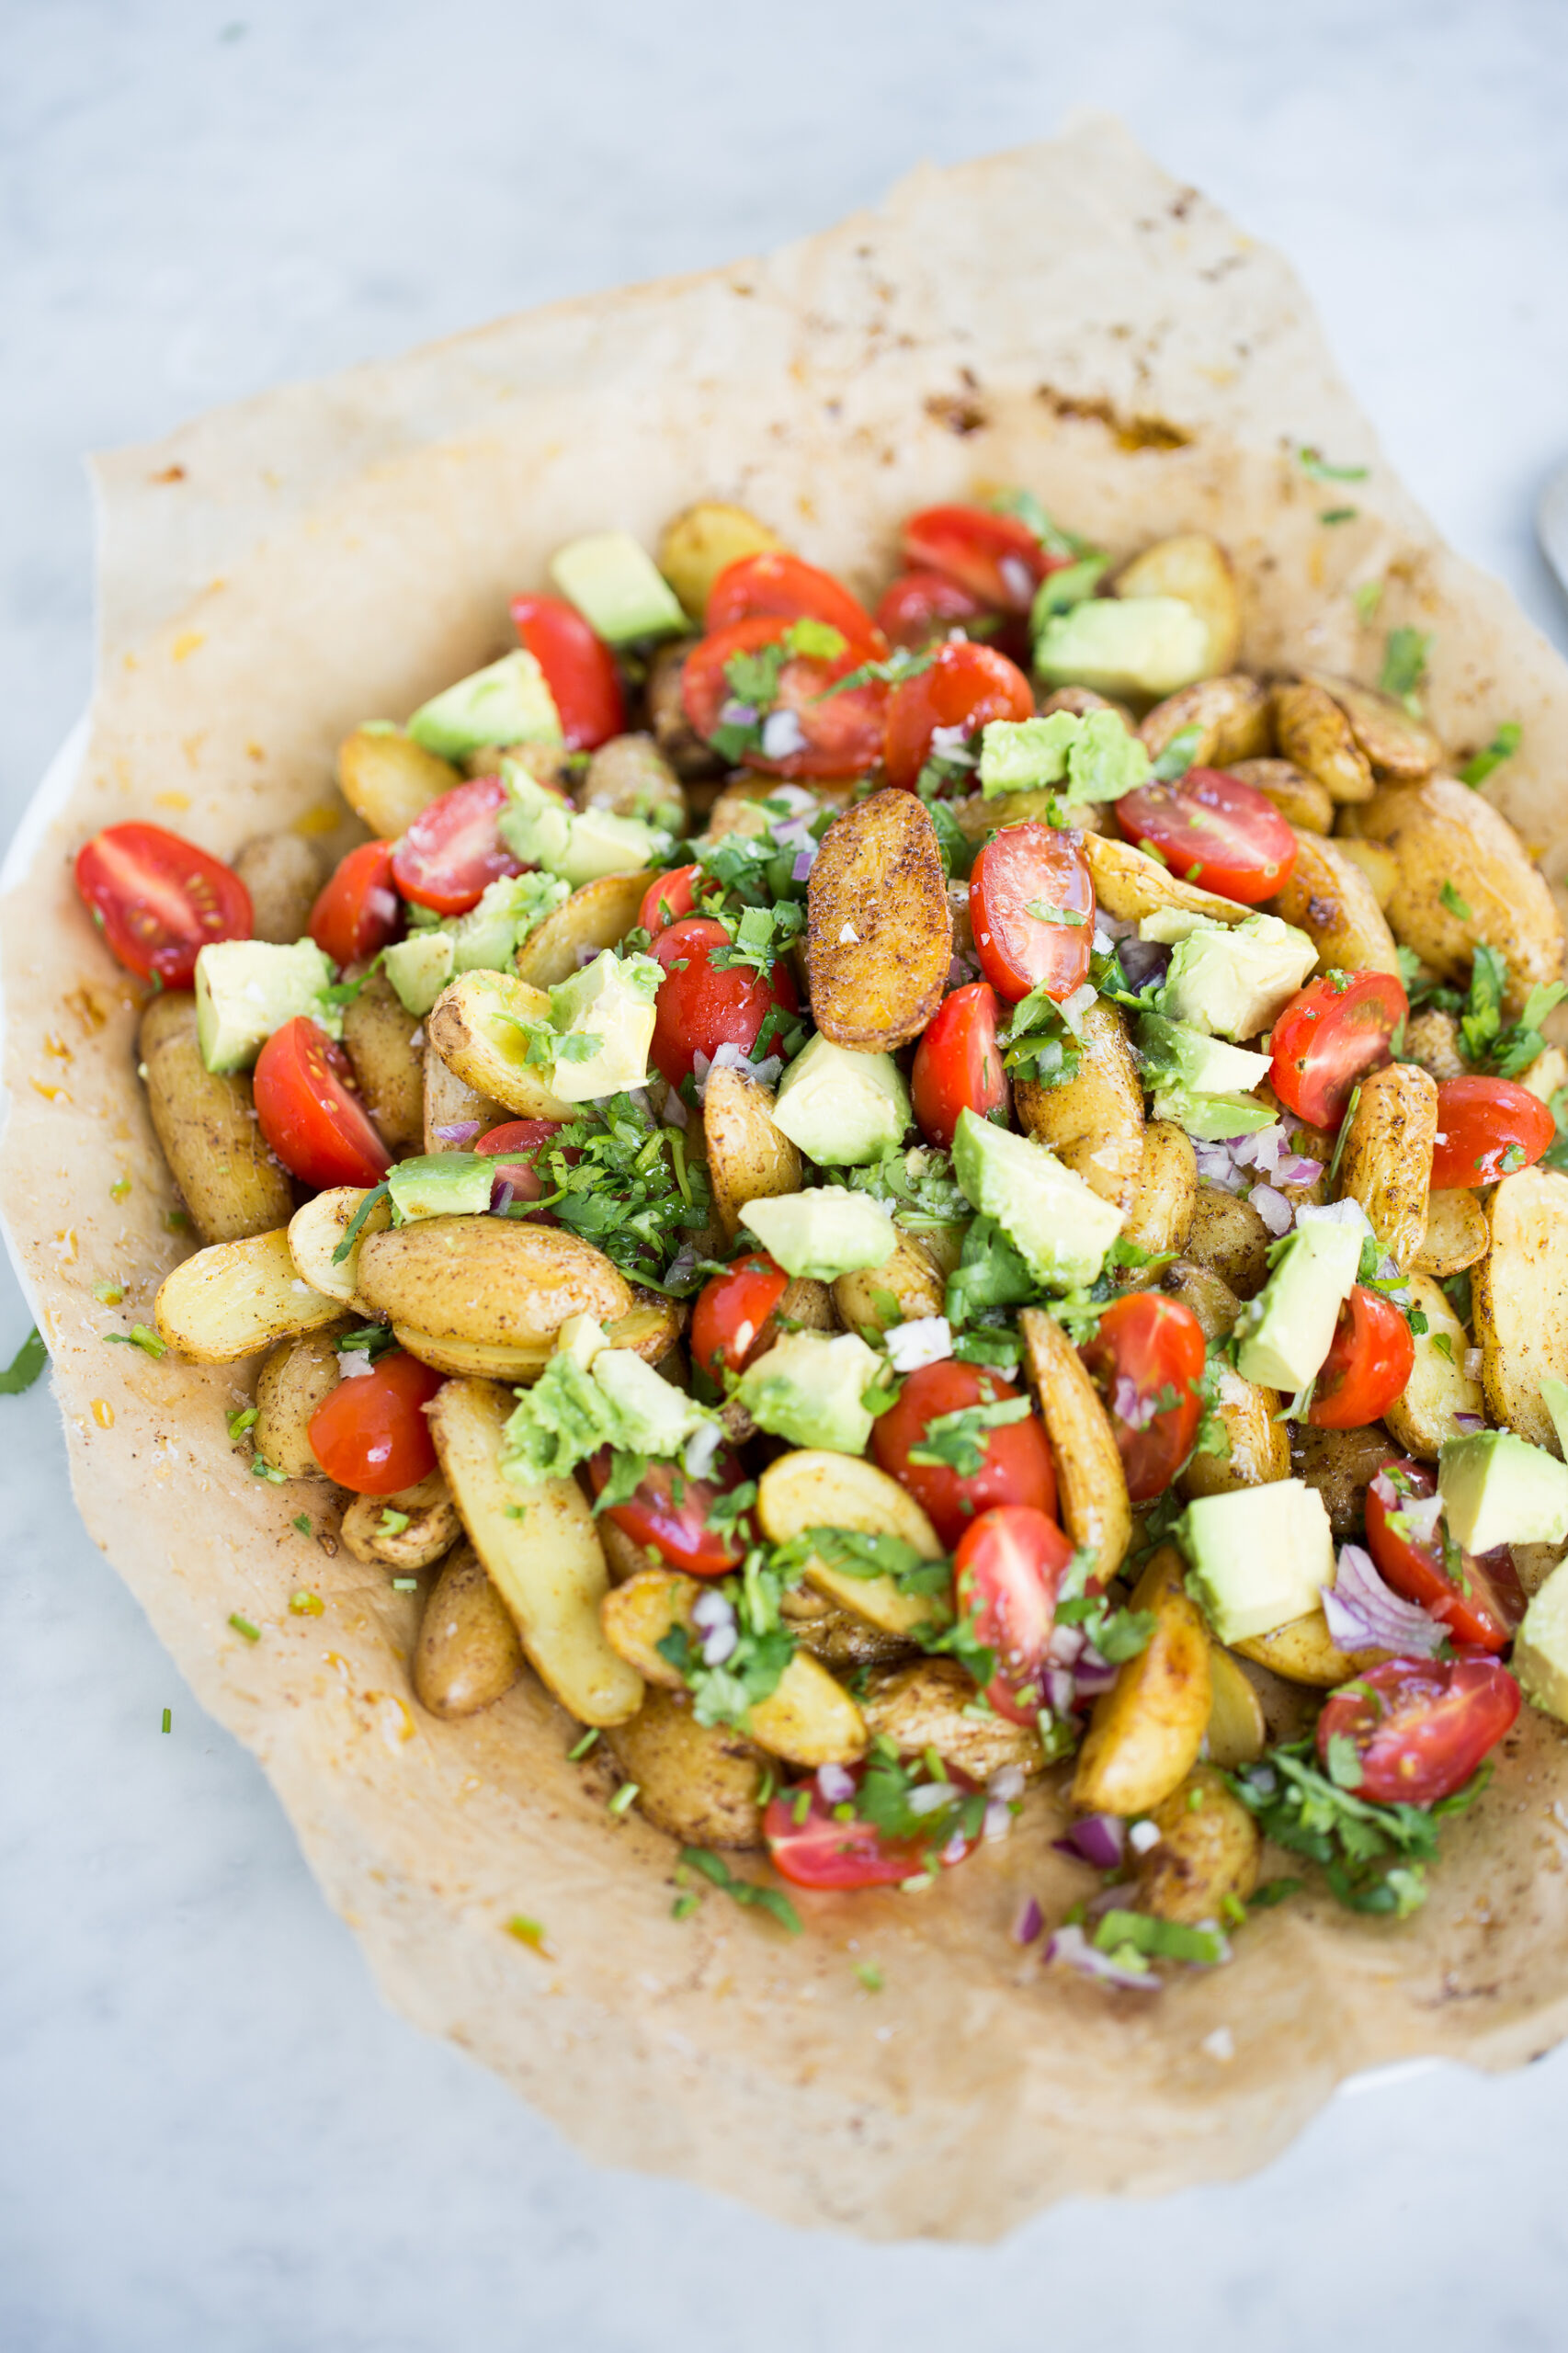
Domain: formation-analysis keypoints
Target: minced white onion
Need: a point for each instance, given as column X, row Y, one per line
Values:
column 697, row 1455
column 1272, row 1208
column 1006, row 1783
column 925, row 1339
column 930, row 1797
column 1472, row 1362
column 782, row 734
column 835, row 1786
column 352, row 1362
column 1143, row 1836
column 998, row 1822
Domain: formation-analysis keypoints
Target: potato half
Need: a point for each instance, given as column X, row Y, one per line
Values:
column 880, row 932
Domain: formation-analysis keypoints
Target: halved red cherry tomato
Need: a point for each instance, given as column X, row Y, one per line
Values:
column 840, row 735
column 1421, row 1726
column 814, row 1844
column 579, row 669
column 732, row 1310
column 669, row 1513
column 957, row 1066
column 995, row 556
column 1331, row 1034
column 1371, row 1357
column 370, row 1433
column 1016, row 1466
column 788, row 589
column 452, row 850
column 1481, row 1606
column 667, row 899
column 1029, row 868
column 309, row 1112
column 920, row 606
column 359, row 910
column 966, row 687
column 1214, row 830
column 1146, row 1357
column 1006, row 1570
column 1486, row 1129
column 701, row 1008
column 515, row 1145
column 158, row 900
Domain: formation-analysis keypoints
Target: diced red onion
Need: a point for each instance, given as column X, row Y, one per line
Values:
column 1142, row 961
column 501, row 1194
column 459, row 1132
column 1470, row 1423
column 1296, row 1169
column 1135, row 1406
column 676, row 1113
column 739, row 714
column 1029, row 1924
column 712, row 1608
column 1260, row 1150
column 956, row 1850
column 804, row 861
column 1061, row 1690
column 1472, row 1362
column 1421, row 1514
column 835, row 1786
column 1071, row 1949
column 1364, row 1614
column 1006, row 1783
column 997, row 1823
column 1089, row 1681
column 1272, row 1208
column 1097, row 1838
column 1064, row 1645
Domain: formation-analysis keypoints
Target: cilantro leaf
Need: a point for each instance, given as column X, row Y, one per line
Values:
column 1503, row 747
column 955, row 1442
column 25, row 1366
column 743, row 1890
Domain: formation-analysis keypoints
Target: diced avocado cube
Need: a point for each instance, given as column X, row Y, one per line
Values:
column 1540, row 1647
column 419, row 968
column 1094, row 756
column 1201, row 1083
column 1554, row 1397
column 843, row 1109
column 507, row 703
column 808, row 1389
column 247, row 988
column 578, row 845
column 441, row 1184
column 1286, row 1332
column 1258, row 1556
column 617, row 587
column 1234, row 981
column 488, row 936
column 1060, row 1225
column 603, row 1018
column 1144, row 646
column 655, row 1416
column 823, row 1233
column 1499, row 1489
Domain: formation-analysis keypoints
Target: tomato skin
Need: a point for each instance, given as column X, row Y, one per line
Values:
column 699, row 1009
column 966, row 687
column 919, row 606
column 1371, row 1359
column 1152, row 1343
column 676, row 894
column 677, row 1530
column 784, row 587
column 1006, row 1570
column 957, row 1066
column 371, row 1434
column 1020, row 951
column 843, row 734
column 579, row 669
column 1215, row 830
column 358, row 911
column 452, row 849
column 524, row 1138
column 158, row 900
column 1328, row 1037
column 820, row 1852
column 732, row 1310
column 1421, row 1726
column 996, row 557
column 1018, row 1467
column 309, row 1112
column 1480, row 1121
column 1487, row 1615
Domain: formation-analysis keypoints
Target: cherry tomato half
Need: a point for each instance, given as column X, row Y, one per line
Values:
column 158, row 900
column 787, row 589
column 996, row 557
column 1146, row 1357
column 669, row 1513
column 1329, row 1035
column 841, row 734
column 1421, row 1726
column 579, row 669
column 1031, row 905
column 966, row 687
column 668, row 898
column 359, row 910
column 1015, row 1467
column 957, row 1066
column 1486, row 1129
column 452, row 850
column 700, row 1008
column 515, row 1147
column 1371, row 1359
column 813, row 1844
column 1214, row 830
column 370, row 1433
column 1482, row 1606
column 309, row 1112
column 732, row 1310
column 920, row 606
column 1006, row 1570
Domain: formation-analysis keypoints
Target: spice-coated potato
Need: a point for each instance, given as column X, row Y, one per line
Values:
column 630, row 777
column 317, row 1229
column 1160, row 1218
column 677, row 739
column 236, row 1297
column 496, row 1282
column 1422, row 1419
column 1329, row 898
column 1300, row 800
column 1398, row 745
column 1233, row 713
column 1228, row 1234
column 1091, row 1485
column 978, row 816
column 473, row 1027
column 1521, row 1295
column 485, row 1361
column 811, row 1488
column 207, row 1126
column 1146, row 1731
column 639, row 1612
column 1546, row 1074
column 1432, row 1039
column 699, row 1782
column 1208, row 1854
column 597, row 916
column 1209, row 1295
column 297, row 1376
column 1093, row 1124
column 1238, row 1731
column 1081, row 701
column 838, row 1637
column 701, row 540
column 1257, row 1448
column 930, row 1705
column 387, row 780
column 1305, row 1651
column 749, row 1158
column 450, row 1104
column 467, row 1655
column 1341, row 1464
column 1387, row 1162
column 1130, row 885
column 283, row 876
column 878, row 930
column 905, row 1289
column 1456, row 1236
column 1377, row 865
column 389, row 1068
column 1197, row 569
column 1313, row 732
column 432, row 1526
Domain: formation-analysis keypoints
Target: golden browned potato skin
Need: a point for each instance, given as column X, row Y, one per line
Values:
column 297, row 1376
column 1387, row 1162
column 1208, row 1855
column 749, row 1158
column 1092, row 1486
column 1130, row 885
column 911, row 1279
column 1209, row 1295
column 1341, row 1464
column 467, row 1655
column 234, row 1298
column 1432, row 1039
column 488, row 1280
column 599, row 915
column 673, row 732
column 1398, row 745
column 388, row 780
column 630, row 778
column 1300, row 800
column 433, row 1526
column 1456, row 1234
column 699, row 1782
column 1305, row 1651
column 1329, row 898
column 1257, row 1448
column 1421, row 1419
column 1238, row 1730
column 1095, row 1122
column 472, row 1028
column 1160, row 1218
column 206, row 1128
column 1233, row 712
column 930, row 1705
column 1228, row 1236
column 1146, row 1731
column 879, row 928
column 283, row 875
column 389, row 1068
column 1521, row 1295
column 1191, row 565
column 1315, row 734
column 704, row 541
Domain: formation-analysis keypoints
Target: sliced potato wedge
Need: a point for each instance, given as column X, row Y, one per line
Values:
column 492, row 1281
column 389, row 1068
column 879, row 931
column 1228, row 1236
column 432, row 1525
column 596, row 916
column 473, row 1027
column 749, row 1159
column 1300, row 800
column 698, row 1782
column 1197, row 569
column 637, row 1615
column 630, row 777
column 1387, row 1163
column 1398, row 745
column 1208, row 1855
column 1146, row 1731
column 1329, row 898
column 317, row 1229
column 207, row 1127
column 449, row 1106
column 1233, row 714
column 676, row 738
column 1340, row 1465
column 904, row 1290
column 1238, row 1730
column 811, row 1719
column 236, row 1297
column 1456, row 1233
column 702, row 539
column 1421, row 1419
column 1433, row 1038
column 283, row 876
column 483, row 1360
column 297, row 1376
column 930, row 1705
column 1377, row 864
column 1313, row 732
column 1167, row 1197
column 1091, row 1485
column 1131, row 886
column 1305, row 1651
column 1257, row 1446
column 1546, row 1074
column 1093, row 1124
column 467, row 1655
column 811, row 1488
column 388, row 778
column 1209, row 1295
column 1521, row 1295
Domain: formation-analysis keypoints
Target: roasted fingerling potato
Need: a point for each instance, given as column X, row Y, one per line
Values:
column 1232, row 716
column 1331, row 900
column 283, row 875
column 1094, row 1122
column 1300, row 800
column 1160, row 1218
column 1208, row 1856
column 467, row 1655
column 495, row 1281
column 878, row 930
column 429, row 1528
column 1313, row 733
column 206, row 1125
column 297, row 1376
column 387, row 779
column 389, row 1068
column 749, row 1157
column 701, row 1783
column 1145, row 1732
column 1091, row 1484
column 1386, row 1163
column 1195, row 568
column 236, row 1297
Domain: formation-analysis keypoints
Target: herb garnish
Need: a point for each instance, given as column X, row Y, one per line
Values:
column 25, row 1365
column 1374, row 1856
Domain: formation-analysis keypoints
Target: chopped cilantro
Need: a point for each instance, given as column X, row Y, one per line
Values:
column 870, row 1976
column 955, row 1440
column 1070, row 585
column 369, row 1339
column 141, row 1336
column 352, row 1230
column 528, row 1932
column 25, row 1365
column 1116, row 1633
column 580, row 1748
column 1366, row 599
column 1339, row 514
column 920, row 1185
column 305, row 1605
column 772, row 1900
column 1459, row 908
column 303, row 1522
column 393, row 1522
column 1374, row 1856
column 1162, row 1939
column 1052, row 538
column 855, row 1555
column 1178, row 756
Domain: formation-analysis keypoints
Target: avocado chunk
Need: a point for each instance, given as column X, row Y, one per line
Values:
column 484, row 940
column 1554, row 1397
column 1060, row 1227
column 1286, row 1332
column 419, row 968
column 1232, row 982
column 617, row 587
column 1201, row 1083
column 246, row 989
column 823, row 1233
column 1145, row 646
column 1093, row 757
column 1499, row 1489
column 1540, row 1647
column 602, row 1019
column 590, row 1395
column 652, row 1416
column 508, row 703
column 579, row 845
column 843, row 1109
column 808, row 1388
column 1258, row 1556
column 441, row 1184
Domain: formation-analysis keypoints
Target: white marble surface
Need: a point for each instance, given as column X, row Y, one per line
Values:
column 214, row 2136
